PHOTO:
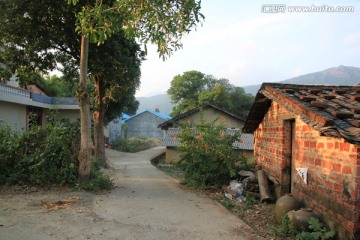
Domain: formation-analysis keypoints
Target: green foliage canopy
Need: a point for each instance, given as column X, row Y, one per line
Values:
column 193, row 88
column 33, row 44
column 161, row 22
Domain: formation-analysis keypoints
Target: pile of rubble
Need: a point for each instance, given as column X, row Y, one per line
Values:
column 249, row 184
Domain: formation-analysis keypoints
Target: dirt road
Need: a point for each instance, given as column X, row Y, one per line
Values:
column 146, row 204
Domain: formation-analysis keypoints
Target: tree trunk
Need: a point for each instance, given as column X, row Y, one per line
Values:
column 265, row 194
column 85, row 116
column 98, row 118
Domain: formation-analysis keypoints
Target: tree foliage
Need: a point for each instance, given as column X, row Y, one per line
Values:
column 31, row 41
column 28, row 39
column 116, row 65
column 33, row 44
column 161, row 22
column 193, row 88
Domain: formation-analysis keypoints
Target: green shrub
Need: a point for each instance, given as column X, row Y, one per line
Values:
column 40, row 156
column 227, row 203
column 132, row 144
column 8, row 151
column 208, row 157
column 286, row 228
column 44, row 156
column 98, row 180
column 318, row 231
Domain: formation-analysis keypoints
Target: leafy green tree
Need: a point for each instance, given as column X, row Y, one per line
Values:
column 39, row 46
column 59, row 86
column 161, row 22
column 193, row 89
column 31, row 41
column 115, row 71
column 114, row 67
column 185, row 89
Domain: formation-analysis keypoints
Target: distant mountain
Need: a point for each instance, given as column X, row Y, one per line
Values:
column 341, row 75
column 162, row 102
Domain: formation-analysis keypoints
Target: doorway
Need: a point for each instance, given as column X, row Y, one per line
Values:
column 289, row 153
column 34, row 116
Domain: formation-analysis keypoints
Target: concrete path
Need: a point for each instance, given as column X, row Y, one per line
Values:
column 148, row 204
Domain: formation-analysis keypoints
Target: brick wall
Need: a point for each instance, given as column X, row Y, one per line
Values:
column 333, row 166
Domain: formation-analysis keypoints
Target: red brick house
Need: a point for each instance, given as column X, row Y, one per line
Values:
column 307, row 139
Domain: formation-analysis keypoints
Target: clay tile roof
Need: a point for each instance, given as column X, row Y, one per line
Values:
column 245, row 143
column 174, row 120
column 332, row 110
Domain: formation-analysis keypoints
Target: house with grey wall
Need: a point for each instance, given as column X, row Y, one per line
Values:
column 145, row 125
column 115, row 126
column 209, row 113
column 21, row 108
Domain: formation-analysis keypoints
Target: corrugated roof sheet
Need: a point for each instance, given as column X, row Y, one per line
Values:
column 334, row 111
column 246, row 141
column 160, row 115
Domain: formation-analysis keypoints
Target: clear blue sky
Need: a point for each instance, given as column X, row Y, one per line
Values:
column 241, row 43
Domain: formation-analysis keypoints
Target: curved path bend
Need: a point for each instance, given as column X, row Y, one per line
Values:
column 150, row 205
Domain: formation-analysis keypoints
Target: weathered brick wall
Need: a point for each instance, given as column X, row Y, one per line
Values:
column 333, row 169
column 271, row 147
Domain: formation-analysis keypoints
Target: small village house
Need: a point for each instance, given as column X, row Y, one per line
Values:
column 21, row 108
column 144, row 125
column 208, row 113
column 306, row 138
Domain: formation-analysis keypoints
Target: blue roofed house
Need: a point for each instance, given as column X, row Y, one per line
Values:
column 145, row 125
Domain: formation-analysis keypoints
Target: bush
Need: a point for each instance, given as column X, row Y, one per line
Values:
column 133, row 144
column 44, row 156
column 208, row 157
column 318, row 231
column 286, row 228
column 8, row 151
column 98, row 180
column 40, row 156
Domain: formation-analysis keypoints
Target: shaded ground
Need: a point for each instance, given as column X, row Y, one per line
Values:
column 146, row 204
column 259, row 216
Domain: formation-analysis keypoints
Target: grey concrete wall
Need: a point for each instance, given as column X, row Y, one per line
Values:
column 144, row 125
column 114, row 130
column 13, row 115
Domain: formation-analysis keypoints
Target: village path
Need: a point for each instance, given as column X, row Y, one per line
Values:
column 151, row 205
column 145, row 204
